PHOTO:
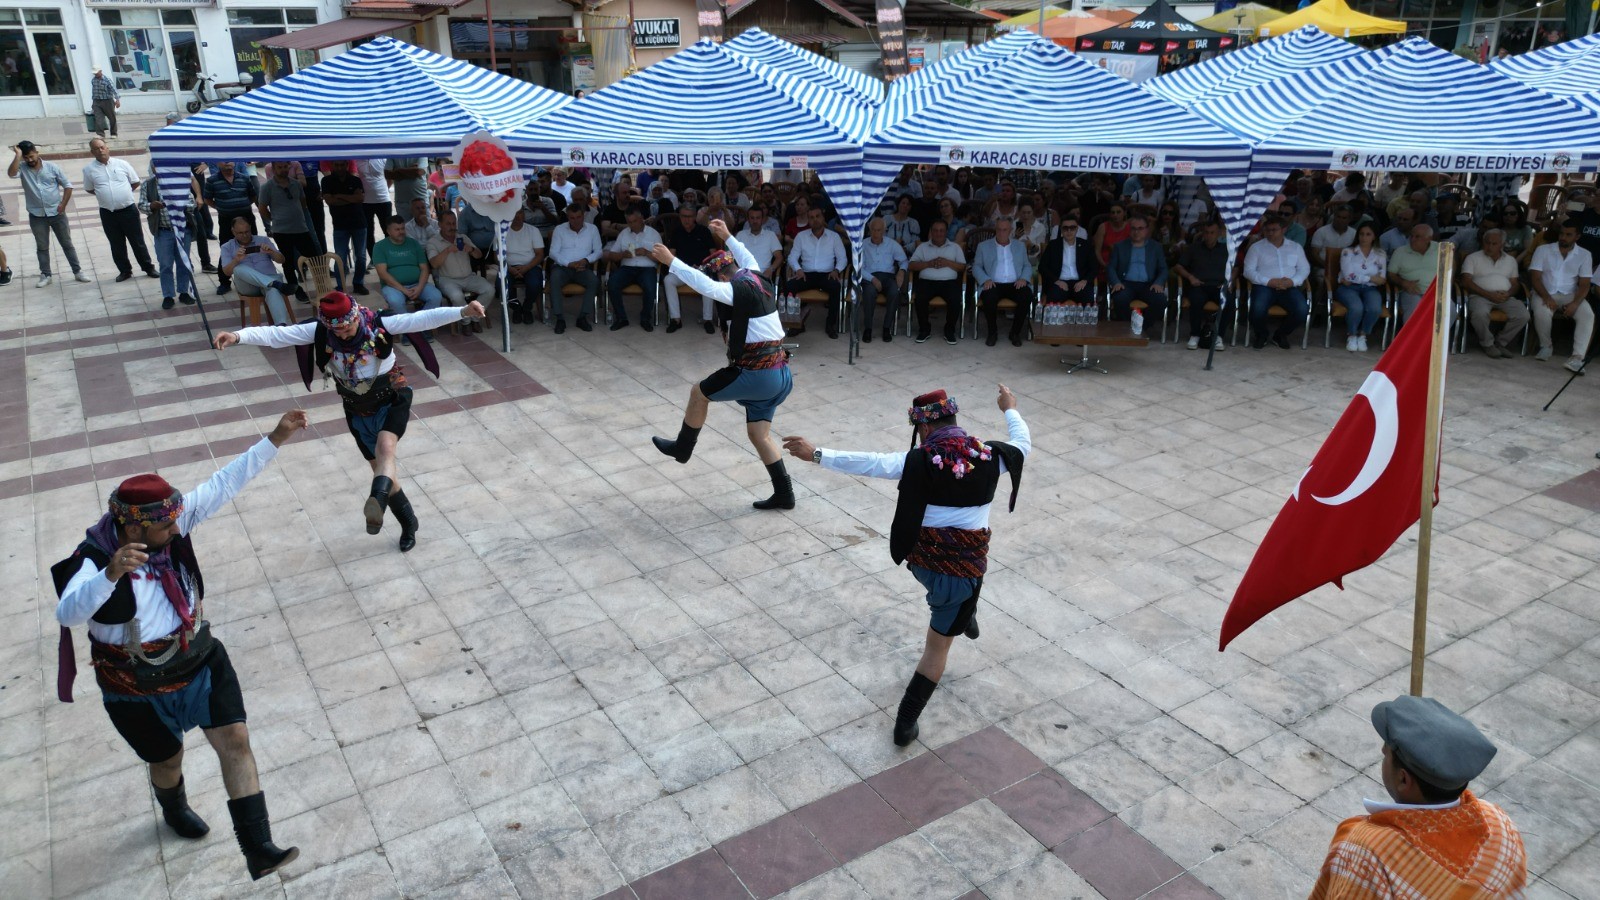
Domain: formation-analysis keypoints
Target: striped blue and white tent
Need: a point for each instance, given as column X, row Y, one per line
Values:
column 1563, row 69
column 382, row 99
column 1264, row 108
column 1422, row 109
column 1260, row 63
column 1061, row 113
column 807, row 66
column 961, row 65
column 708, row 107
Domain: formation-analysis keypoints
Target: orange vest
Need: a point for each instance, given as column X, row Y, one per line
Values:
column 1470, row 851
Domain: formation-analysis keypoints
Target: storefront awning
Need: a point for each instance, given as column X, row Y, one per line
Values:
column 813, row 38
column 341, row 31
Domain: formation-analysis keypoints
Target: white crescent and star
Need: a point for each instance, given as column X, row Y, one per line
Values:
column 1384, row 400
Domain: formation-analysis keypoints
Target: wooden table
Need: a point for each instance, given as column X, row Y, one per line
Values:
column 1102, row 334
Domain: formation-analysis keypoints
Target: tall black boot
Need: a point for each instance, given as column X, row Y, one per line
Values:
column 782, row 489
column 400, row 504
column 377, row 503
column 916, row 697
column 972, row 627
column 682, row 448
column 254, row 831
column 175, row 809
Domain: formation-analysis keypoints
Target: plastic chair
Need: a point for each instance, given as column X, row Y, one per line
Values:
column 324, row 273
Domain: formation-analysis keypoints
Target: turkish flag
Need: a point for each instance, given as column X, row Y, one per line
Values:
column 1362, row 491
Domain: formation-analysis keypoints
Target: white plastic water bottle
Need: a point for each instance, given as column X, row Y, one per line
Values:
column 1138, row 322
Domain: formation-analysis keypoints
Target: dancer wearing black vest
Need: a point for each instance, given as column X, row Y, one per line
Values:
column 135, row 582
column 354, row 346
column 757, row 375
column 941, row 522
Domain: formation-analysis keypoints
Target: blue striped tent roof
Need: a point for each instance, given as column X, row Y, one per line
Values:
column 1568, row 68
column 1058, row 104
column 384, row 98
column 786, row 57
column 961, row 64
column 1420, row 103
column 1265, row 61
column 1264, row 107
column 707, row 98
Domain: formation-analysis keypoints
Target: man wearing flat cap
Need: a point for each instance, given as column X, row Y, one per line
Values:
column 1435, row 839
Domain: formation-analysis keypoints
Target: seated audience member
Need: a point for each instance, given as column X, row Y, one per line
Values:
column 1068, row 266
column 937, row 264
column 817, row 263
column 574, row 252
column 629, row 255
column 252, row 261
column 1326, row 244
column 420, row 226
column 1137, row 270
column 760, row 237
column 1399, row 234
column 1490, row 279
column 1432, row 837
column 902, row 228
column 1561, row 274
column 1276, row 267
column 717, row 208
column 1202, row 267
column 451, row 254
column 1363, row 271
column 525, row 270
column 1001, row 269
column 614, row 218
column 1032, row 231
column 1413, row 267
column 1455, row 225
column 402, row 267
column 688, row 241
column 883, row 273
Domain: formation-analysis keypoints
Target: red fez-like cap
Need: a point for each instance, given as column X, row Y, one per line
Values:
column 142, row 489
column 929, row 398
column 334, row 306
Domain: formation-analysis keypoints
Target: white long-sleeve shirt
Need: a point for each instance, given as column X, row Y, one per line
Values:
column 765, row 328
column 1265, row 262
column 278, row 337
column 891, row 465
column 568, row 246
column 818, row 254
column 630, row 240
column 89, row 589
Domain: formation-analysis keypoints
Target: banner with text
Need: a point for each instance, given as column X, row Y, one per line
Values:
column 636, row 156
column 490, row 180
column 1053, row 157
column 892, row 38
column 1130, row 66
column 1452, row 161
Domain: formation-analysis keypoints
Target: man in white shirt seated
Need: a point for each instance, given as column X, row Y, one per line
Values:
column 1490, row 279
column 450, row 255
column 574, row 250
column 420, row 226
column 630, row 260
column 1561, row 274
column 1327, row 243
column 1275, row 268
column 817, row 263
column 883, row 272
column 937, row 264
column 764, row 240
column 524, row 269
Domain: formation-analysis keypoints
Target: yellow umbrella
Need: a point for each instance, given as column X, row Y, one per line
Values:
column 1246, row 16
column 1334, row 17
column 1028, row 20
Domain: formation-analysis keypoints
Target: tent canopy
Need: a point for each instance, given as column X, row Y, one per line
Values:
column 1065, row 30
column 1029, row 19
column 1566, row 69
column 1160, row 29
column 786, row 57
column 1247, row 17
column 1255, row 110
column 1062, row 113
column 1336, row 18
column 1259, row 63
column 959, row 64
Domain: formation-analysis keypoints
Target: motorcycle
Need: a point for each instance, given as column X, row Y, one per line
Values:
column 208, row 93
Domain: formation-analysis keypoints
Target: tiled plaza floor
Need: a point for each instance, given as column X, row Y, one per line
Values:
column 602, row 673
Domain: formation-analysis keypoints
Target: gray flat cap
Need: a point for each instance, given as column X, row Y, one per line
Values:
column 1432, row 742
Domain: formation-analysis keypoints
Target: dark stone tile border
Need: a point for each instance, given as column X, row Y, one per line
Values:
column 1582, row 491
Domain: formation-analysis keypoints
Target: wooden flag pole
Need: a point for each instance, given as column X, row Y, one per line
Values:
column 1443, row 283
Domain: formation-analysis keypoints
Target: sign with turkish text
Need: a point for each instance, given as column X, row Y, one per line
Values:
column 655, row 34
column 644, row 156
column 1133, row 67
column 1452, row 161
column 710, row 19
column 490, row 179
column 1053, row 157
column 892, row 38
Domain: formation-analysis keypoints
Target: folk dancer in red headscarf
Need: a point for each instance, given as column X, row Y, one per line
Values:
column 941, row 522
column 135, row 582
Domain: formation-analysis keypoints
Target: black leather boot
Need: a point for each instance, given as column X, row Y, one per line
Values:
column 972, row 627
column 254, row 831
column 682, row 448
column 400, row 504
column 377, row 503
column 782, row 489
column 175, row 809
column 916, row 697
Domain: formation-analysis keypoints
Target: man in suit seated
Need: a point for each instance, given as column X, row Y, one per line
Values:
column 1001, row 268
column 1137, row 270
column 1069, row 277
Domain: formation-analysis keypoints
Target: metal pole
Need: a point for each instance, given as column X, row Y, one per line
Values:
column 1430, row 457
column 488, row 19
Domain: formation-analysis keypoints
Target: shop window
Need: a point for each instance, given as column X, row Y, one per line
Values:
column 54, row 62
column 16, row 66
column 138, row 54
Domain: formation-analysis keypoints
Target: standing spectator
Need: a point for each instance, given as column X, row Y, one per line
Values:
column 883, row 272
column 524, row 269
column 316, row 214
column 343, row 193
column 817, row 262
column 1561, row 274
column 1203, row 266
column 408, row 182
column 115, row 186
column 203, row 226
column 1001, row 268
column 1363, row 270
column 1276, row 268
column 937, row 265
column 1490, row 279
column 1413, row 267
column 688, row 241
column 630, row 260
column 374, row 198
column 106, row 102
column 233, row 195
column 45, row 192
column 176, row 279
column 1138, row 271
column 902, row 227
column 402, row 266
column 1588, row 222
column 254, row 262
column 450, row 255
column 574, row 250
column 283, row 208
